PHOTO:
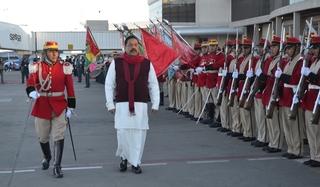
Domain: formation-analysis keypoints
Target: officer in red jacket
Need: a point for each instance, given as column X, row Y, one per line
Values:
column 225, row 112
column 262, row 139
column 313, row 130
column 247, row 118
column 289, row 74
column 46, row 85
column 275, row 131
column 216, row 62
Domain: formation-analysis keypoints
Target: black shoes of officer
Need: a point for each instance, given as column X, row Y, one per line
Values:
column 136, row 170
column 248, row 139
column 236, row 134
column 45, row 147
column 315, row 163
column 58, row 151
column 312, row 163
column 257, row 143
column 271, row 149
column 291, row 156
column 123, row 165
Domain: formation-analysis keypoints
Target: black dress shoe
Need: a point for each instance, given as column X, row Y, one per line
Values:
column 236, row 134
column 229, row 133
column 266, row 148
column 220, row 129
column 315, row 163
column 273, row 150
column 207, row 121
column 254, row 142
column 249, row 139
column 308, row 162
column 136, row 170
column 214, row 125
column 241, row 137
column 286, row 155
column 260, row 144
column 293, row 156
column 224, row 130
column 123, row 165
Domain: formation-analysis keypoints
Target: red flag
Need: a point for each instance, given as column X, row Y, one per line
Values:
column 187, row 54
column 157, row 52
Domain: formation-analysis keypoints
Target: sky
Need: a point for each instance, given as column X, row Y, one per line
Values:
column 70, row 15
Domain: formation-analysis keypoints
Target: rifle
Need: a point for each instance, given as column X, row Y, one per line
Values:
column 246, row 85
column 316, row 110
column 234, row 83
column 223, row 83
column 302, row 81
column 256, row 84
column 275, row 88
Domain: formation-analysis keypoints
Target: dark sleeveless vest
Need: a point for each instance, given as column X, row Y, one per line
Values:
column 141, row 90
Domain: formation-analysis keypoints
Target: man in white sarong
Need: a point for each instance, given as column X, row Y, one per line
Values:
column 133, row 80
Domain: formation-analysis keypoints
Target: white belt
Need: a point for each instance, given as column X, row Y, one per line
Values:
column 51, row 94
column 313, row 87
column 211, row 71
column 290, row 86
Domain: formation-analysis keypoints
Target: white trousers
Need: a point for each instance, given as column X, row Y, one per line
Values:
column 131, row 144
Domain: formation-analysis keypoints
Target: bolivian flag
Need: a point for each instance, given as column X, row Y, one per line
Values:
column 92, row 49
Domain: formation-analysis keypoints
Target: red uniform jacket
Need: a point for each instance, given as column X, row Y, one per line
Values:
column 202, row 77
column 60, row 74
column 286, row 93
column 216, row 62
column 313, row 79
column 269, row 76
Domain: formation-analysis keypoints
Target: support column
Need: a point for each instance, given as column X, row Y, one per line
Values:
column 296, row 24
column 278, row 26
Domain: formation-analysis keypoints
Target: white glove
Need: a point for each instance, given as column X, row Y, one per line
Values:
column 69, row 112
column 305, row 71
column 175, row 68
column 199, row 69
column 34, row 95
column 249, row 73
column 235, row 74
column 224, row 73
column 258, row 72
column 278, row 73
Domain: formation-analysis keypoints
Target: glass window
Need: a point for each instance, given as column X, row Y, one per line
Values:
column 179, row 10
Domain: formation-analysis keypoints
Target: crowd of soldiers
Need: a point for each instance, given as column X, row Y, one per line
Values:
column 214, row 88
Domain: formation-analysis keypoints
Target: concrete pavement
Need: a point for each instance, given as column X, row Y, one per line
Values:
column 178, row 152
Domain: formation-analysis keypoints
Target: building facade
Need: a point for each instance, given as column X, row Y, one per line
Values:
column 195, row 19
column 291, row 13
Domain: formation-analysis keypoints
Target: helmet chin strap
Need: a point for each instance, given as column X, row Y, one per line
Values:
column 47, row 60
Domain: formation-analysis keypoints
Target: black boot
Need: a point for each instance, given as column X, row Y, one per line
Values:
column 161, row 99
column 207, row 118
column 123, row 164
column 58, row 151
column 45, row 147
